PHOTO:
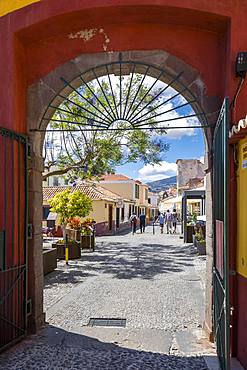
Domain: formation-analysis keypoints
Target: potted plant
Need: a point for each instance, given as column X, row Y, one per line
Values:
column 88, row 234
column 69, row 205
column 200, row 243
column 190, row 228
column 73, row 247
column 73, row 229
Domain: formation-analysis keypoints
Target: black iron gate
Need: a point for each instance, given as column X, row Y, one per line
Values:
column 13, row 236
column 221, row 252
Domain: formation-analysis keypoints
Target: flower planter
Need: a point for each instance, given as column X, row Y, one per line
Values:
column 201, row 247
column 74, row 250
column 73, row 234
column 88, row 241
column 189, row 233
column 49, row 260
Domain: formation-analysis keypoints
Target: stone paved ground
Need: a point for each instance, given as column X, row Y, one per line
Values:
column 155, row 282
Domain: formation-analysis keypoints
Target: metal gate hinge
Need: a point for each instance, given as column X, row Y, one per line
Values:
column 28, row 150
column 29, row 231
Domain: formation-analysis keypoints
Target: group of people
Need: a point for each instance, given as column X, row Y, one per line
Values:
column 170, row 219
column 133, row 221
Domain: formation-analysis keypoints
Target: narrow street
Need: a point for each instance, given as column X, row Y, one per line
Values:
column 154, row 282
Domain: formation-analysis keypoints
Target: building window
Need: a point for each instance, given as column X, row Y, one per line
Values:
column 130, row 210
column 55, row 181
column 149, row 200
column 46, row 211
column 137, row 191
column 146, row 194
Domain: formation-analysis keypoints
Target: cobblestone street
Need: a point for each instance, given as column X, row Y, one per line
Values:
column 155, row 282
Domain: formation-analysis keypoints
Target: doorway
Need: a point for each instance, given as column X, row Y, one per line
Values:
column 110, row 216
column 117, row 218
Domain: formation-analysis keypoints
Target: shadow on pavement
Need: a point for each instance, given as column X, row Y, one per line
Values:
column 71, row 274
column 56, row 348
column 123, row 261
column 143, row 261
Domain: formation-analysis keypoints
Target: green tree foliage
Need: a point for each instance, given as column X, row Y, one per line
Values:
column 88, row 154
column 69, row 204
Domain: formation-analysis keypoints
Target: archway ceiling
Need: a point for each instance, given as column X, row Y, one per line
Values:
column 47, row 21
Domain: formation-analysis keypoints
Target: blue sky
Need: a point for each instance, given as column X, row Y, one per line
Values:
column 185, row 143
column 183, row 147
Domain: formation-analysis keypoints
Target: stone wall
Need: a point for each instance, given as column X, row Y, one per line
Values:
column 188, row 169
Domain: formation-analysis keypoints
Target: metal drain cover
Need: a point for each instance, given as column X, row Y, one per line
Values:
column 107, row 322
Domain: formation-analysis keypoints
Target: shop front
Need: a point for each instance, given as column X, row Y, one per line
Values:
column 239, row 140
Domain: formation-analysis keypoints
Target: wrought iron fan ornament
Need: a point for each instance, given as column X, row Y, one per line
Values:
column 122, row 96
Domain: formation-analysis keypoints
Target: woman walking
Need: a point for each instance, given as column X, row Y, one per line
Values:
column 133, row 221
column 174, row 221
column 168, row 221
column 160, row 219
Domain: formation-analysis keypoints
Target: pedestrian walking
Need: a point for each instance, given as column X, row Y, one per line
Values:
column 160, row 219
column 168, row 221
column 133, row 221
column 142, row 222
column 174, row 221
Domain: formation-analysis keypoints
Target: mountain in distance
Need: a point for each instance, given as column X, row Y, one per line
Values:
column 162, row 184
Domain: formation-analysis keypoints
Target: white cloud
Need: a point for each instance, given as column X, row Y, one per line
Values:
column 202, row 159
column 158, row 171
column 181, row 121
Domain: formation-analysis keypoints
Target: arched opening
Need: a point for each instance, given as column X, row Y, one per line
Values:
column 119, row 96
column 178, row 84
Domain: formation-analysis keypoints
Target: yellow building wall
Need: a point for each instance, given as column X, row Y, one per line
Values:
column 242, row 209
column 8, row 6
column 100, row 212
column 125, row 190
column 142, row 199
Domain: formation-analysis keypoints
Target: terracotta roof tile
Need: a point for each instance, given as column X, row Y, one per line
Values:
column 115, row 177
column 94, row 192
column 119, row 177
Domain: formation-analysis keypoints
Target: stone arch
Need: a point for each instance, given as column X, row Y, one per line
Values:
column 45, row 91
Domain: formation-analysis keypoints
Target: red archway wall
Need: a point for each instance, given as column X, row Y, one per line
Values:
column 36, row 39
